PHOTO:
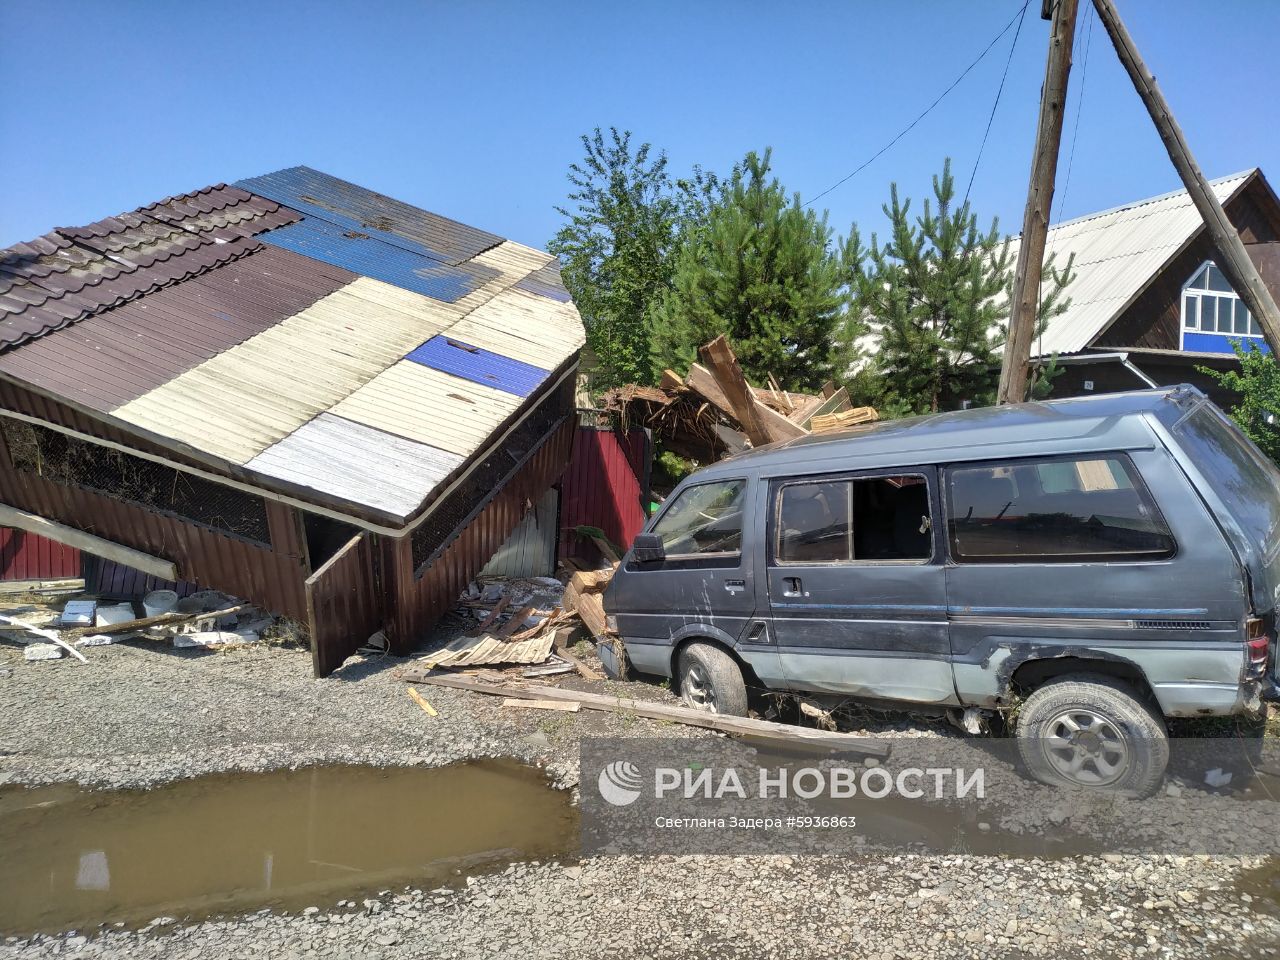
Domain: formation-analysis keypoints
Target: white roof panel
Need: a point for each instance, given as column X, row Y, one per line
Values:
column 1117, row 253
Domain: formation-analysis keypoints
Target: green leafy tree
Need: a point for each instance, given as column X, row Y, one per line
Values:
column 762, row 270
column 1258, row 384
column 936, row 293
column 622, row 224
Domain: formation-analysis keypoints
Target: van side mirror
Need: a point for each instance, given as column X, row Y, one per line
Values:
column 647, row 547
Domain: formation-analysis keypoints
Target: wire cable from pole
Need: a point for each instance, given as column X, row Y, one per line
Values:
column 929, row 109
column 999, row 90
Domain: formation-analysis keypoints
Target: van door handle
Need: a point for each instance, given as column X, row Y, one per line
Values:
column 792, row 587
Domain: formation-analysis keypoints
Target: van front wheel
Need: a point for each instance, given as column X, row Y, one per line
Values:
column 1086, row 730
column 711, row 681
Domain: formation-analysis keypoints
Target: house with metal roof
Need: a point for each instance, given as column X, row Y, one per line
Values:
column 1147, row 303
column 292, row 389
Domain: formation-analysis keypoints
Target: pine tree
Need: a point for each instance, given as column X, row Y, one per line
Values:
column 762, row 271
column 936, row 293
column 617, row 246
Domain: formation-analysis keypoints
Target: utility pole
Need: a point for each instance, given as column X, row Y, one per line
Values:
column 1234, row 259
column 1025, row 300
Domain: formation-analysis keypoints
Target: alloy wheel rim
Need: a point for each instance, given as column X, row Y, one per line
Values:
column 698, row 689
column 1085, row 747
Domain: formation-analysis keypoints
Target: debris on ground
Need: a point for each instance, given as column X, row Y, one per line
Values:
column 53, row 627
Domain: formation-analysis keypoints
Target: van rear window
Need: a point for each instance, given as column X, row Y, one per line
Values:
column 1054, row 510
column 1248, row 483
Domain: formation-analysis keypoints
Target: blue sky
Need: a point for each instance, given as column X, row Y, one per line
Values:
column 473, row 109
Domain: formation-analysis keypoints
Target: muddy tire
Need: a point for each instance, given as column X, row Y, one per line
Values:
column 1087, row 730
column 710, row 680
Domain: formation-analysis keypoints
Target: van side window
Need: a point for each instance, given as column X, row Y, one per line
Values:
column 872, row 518
column 1061, row 509
column 705, row 519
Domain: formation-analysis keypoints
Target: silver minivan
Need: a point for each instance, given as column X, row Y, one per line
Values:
column 1100, row 563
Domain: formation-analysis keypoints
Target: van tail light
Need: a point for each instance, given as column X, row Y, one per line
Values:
column 1257, row 647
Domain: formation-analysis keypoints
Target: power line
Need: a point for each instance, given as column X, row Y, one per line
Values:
column 999, row 90
column 929, row 109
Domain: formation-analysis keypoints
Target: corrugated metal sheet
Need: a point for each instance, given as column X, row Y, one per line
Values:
column 1117, row 253
column 479, row 366
column 344, row 604
column 247, row 398
column 546, row 282
column 354, row 462
column 73, row 272
column 367, row 255
column 28, row 556
column 422, row 601
column 354, row 207
column 600, row 489
column 271, row 577
column 530, row 551
column 106, row 579
column 526, row 326
column 113, row 357
column 431, row 407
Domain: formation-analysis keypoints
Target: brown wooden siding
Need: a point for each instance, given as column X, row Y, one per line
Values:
column 1152, row 319
column 344, row 605
column 414, row 605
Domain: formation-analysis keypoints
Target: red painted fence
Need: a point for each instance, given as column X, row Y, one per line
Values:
column 26, row 556
column 601, row 489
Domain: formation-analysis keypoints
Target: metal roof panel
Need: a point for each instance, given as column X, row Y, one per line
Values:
column 524, row 326
column 365, row 254
column 357, row 463
column 353, row 207
column 429, row 406
column 479, row 366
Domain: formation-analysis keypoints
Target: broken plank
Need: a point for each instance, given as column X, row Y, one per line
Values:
column 606, row 550
column 562, row 705
column 586, row 671
column 590, row 608
column 488, row 621
column 671, row 381
column 157, row 621
column 740, row 726
column 547, row 670
column 421, row 701
column 516, row 622
column 762, row 424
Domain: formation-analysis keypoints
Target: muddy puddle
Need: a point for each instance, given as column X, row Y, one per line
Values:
column 71, row 858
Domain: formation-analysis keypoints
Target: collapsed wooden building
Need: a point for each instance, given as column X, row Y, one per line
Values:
column 291, row 389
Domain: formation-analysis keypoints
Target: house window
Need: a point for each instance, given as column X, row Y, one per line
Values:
column 1209, row 305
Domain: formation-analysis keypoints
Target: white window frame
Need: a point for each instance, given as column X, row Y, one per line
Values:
column 1189, row 293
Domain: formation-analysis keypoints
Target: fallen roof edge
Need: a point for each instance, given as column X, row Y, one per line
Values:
column 399, row 526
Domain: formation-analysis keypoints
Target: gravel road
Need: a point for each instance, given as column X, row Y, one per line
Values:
column 135, row 716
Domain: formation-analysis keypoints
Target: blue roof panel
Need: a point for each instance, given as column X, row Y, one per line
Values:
column 361, row 253
column 479, row 366
column 353, row 207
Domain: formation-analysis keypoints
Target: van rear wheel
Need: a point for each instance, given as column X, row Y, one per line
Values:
column 1088, row 730
column 711, row 681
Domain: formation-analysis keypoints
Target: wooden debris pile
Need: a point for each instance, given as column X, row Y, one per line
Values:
column 713, row 412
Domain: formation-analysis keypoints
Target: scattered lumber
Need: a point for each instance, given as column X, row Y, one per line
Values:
column 583, row 597
column 586, row 671
column 516, row 622
column 489, row 620
column 739, row 726
column 825, row 423
column 562, row 705
column 761, row 424
column 421, row 701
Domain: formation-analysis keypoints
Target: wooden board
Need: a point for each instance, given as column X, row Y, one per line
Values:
column 740, row 726
column 107, row 549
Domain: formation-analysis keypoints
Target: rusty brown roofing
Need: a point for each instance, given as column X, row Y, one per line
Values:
column 73, row 272
column 108, row 359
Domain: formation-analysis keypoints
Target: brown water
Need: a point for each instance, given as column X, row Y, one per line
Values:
column 71, row 858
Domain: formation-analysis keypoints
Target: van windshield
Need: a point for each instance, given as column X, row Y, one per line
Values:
column 1246, row 480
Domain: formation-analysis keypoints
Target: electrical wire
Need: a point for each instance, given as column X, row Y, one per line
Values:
column 999, row 90
column 929, row 109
